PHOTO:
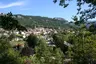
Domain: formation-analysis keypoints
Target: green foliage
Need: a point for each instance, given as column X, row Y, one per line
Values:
column 27, row 51
column 83, row 49
column 46, row 54
column 83, row 46
column 9, row 14
column 8, row 55
column 92, row 28
column 8, row 23
column 78, row 21
column 12, row 36
column 32, row 40
column 21, row 28
column 59, row 41
column 84, row 13
column 38, row 21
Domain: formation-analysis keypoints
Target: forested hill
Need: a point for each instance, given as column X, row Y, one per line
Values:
column 38, row 21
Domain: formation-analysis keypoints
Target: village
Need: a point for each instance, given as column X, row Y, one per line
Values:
column 19, row 36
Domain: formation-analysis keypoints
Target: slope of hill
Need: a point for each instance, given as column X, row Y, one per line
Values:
column 38, row 21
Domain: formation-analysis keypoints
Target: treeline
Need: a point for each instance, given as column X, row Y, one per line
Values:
column 38, row 21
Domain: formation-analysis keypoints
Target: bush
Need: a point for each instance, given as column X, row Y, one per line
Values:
column 32, row 40
column 8, row 55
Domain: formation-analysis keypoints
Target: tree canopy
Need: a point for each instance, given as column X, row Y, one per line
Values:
column 8, row 22
column 86, row 13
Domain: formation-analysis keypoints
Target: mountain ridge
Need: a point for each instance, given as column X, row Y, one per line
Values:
column 39, row 21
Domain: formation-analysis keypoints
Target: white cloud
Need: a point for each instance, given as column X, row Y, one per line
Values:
column 11, row 4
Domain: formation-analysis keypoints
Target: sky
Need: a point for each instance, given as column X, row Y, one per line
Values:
column 44, row 8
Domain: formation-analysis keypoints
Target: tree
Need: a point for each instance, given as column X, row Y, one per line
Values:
column 85, row 14
column 78, row 21
column 7, row 54
column 48, row 55
column 10, row 14
column 92, row 28
column 7, row 22
column 27, row 51
column 12, row 36
column 59, row 42
column 83, row 49
column 21, row 28
column 32, row 40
